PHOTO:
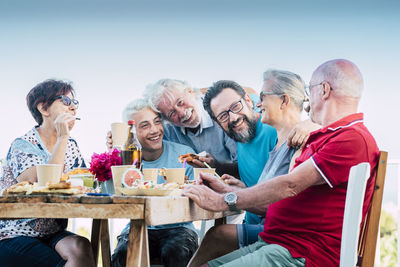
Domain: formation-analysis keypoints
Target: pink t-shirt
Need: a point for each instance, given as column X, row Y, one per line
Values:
column 309, row 225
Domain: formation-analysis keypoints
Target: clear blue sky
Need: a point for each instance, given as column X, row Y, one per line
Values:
column 112, row 49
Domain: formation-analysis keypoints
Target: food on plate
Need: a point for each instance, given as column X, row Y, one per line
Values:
column 150, row 184
column 130, row 176
column 75, row 171
column 188, row 157
column 190, row 182
column 28, row 188
column 61, row 185
column 143, row 184
column 46, row 190
column 150, row 188
column 19, row 188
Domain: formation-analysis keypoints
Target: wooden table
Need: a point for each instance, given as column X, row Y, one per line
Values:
column 141, row 210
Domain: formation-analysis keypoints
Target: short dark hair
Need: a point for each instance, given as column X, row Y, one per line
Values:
column 46, row 92
column 216, row 89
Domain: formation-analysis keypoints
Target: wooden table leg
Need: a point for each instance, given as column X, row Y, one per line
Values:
column 100, row 236
column 138, row 247
column 105, row 243
column 94, row 239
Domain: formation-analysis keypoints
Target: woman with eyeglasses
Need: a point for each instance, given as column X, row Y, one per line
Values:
column 43, row 242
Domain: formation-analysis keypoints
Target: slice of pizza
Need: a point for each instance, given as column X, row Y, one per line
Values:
column 19, row 188
column 61, row 185
column 189, row 157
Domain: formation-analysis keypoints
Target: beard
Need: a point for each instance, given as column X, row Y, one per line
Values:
column 194, row 123
column 246, row 135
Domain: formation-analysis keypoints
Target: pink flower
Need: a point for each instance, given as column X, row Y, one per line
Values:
column 100, row 164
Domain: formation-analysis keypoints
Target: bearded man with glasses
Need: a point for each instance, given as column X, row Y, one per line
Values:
column 232, row 108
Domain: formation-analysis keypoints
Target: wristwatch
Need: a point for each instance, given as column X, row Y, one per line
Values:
column 230, row 199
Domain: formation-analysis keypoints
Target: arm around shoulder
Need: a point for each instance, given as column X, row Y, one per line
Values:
column 281, row 187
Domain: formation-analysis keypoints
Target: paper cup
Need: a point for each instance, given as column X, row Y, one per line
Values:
column 197, row 171
column 174, row 175
column 119, row 133
column 48, row 173
column 150, row 175
column 117, row 172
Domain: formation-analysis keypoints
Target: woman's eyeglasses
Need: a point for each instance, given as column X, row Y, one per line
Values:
column 262, row 94
column 67, row 101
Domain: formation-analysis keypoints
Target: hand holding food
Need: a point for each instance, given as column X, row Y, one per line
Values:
column 201, row 160
column 187, row 157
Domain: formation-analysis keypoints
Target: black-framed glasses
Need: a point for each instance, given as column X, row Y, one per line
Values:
column 234, row 108
column 262, row 94
column 67, row 101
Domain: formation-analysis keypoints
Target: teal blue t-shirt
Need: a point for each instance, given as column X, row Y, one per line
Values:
column 253, row 156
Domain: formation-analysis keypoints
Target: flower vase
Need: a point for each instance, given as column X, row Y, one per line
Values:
column 107, row 187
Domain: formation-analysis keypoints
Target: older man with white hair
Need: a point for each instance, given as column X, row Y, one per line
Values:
column 303, row 225
column 188, row 122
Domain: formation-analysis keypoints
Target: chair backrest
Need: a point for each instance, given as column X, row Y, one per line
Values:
column 370, row 229
column 358, row 177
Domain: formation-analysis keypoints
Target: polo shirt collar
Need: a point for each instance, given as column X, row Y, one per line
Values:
column 343, row 123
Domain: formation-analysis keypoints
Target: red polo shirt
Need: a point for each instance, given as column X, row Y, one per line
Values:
column 309, row 225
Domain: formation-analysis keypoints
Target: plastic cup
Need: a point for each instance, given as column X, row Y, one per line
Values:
column 119, row 131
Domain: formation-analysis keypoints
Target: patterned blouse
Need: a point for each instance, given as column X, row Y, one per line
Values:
column 25, row 152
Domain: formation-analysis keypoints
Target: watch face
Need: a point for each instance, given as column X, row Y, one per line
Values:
column 230, row 198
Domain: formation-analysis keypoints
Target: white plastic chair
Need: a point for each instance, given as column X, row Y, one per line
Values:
column 358, row 177
column 205, row 226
